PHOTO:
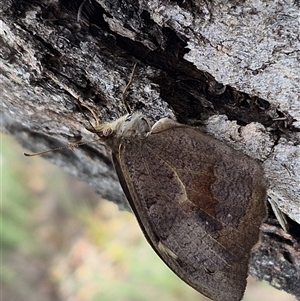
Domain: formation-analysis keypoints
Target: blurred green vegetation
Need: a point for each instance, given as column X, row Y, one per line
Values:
column 16, row 204
column 60, row 241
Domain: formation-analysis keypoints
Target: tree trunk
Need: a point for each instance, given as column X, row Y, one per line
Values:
column 230, row 67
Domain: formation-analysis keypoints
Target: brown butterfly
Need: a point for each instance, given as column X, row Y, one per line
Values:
column 199, row 202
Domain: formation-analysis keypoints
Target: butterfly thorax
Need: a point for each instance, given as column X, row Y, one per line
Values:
column 130, row 127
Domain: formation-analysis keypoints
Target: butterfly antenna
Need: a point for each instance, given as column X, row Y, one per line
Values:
column 126, row 88
column 97, row 120
column 60, row 148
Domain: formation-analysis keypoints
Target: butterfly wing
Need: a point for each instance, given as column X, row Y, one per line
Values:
column 199, row 205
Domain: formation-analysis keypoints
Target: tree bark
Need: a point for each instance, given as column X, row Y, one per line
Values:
column 230, row 67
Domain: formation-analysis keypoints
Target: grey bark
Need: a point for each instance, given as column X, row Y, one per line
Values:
column 230, row 67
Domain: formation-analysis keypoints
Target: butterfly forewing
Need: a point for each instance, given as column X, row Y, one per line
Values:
column 199, row 205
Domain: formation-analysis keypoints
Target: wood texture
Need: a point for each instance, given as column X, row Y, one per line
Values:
column 230, row 67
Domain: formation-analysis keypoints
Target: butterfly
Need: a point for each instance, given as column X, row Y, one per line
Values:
column 199, row 202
